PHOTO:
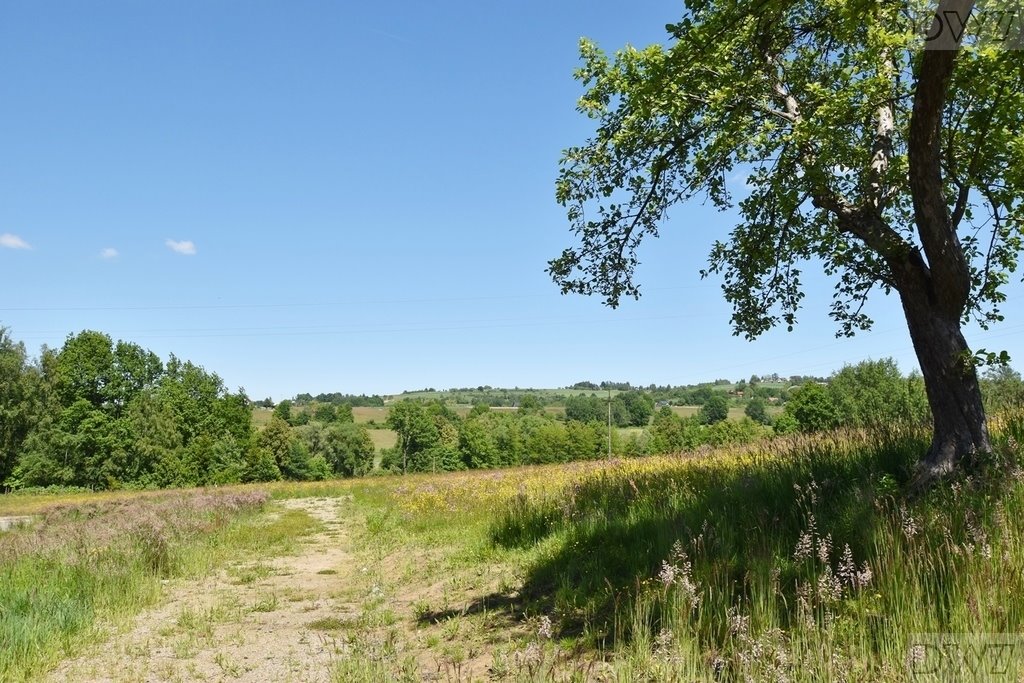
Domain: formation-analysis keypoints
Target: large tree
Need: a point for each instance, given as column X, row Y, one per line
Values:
column 892, row 156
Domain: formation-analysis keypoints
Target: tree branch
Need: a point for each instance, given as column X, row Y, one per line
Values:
column 951, row 278
column 964, row 184
column 881, row 147
column 870, row 228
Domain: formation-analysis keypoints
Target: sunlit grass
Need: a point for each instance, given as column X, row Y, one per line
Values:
column 794, row 559
column 800, row 560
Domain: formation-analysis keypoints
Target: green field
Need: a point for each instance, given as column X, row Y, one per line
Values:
column 383, row 438
column 735, row 412
column 370, row 414
column 446, row 395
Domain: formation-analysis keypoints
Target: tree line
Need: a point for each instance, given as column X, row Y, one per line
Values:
column 101, row 414
column 432, row 436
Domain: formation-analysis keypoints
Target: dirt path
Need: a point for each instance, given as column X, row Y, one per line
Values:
column 252, row 621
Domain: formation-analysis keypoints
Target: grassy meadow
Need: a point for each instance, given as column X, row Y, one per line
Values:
column 799, row 559
column 445, row 395
column 735, row 412
column 364, row 414
column 88, row 562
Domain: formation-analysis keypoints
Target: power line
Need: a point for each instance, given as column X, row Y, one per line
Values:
column 303, row 304
column 286, row 331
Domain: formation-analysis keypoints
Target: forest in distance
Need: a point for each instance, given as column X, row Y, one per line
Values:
column 103, row 414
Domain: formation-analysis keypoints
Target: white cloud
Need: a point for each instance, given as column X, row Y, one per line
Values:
column 109, row 253
column 13, row 242
column 186, row 247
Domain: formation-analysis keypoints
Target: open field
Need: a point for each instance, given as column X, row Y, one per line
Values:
column 370, row 414
column 735, row 412
column 446, row 395
column 797, row 559
column 380, row 414
column 261, row 416
column 383, row 438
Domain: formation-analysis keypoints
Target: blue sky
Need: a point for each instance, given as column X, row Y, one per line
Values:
column 358, row 197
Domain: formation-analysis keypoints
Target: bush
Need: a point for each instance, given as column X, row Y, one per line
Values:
column 813, row 408
column 715, row 409
column 756, row 411
column 261, row 466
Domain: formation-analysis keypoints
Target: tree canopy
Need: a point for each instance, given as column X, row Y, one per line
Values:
column 894, row 161
column 103, row 414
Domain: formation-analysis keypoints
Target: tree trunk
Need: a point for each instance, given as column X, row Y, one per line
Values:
column 950, row 379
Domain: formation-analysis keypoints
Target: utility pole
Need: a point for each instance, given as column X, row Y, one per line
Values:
column 609, row 423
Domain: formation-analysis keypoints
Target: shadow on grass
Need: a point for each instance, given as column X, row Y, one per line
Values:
column 495, row 602
column 737, row 520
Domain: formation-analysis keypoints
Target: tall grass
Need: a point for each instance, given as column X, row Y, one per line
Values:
column 800, row 560
column 81, row 562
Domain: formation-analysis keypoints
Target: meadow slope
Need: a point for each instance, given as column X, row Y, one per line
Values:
column 797, row 559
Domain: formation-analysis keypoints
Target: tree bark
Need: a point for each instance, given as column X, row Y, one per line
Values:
column 935, row 294
column 951, row 382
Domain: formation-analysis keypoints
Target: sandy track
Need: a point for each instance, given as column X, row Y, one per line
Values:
column 249, row 622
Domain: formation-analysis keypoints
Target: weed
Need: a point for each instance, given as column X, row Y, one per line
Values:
column 329, row 624
column 266, row 604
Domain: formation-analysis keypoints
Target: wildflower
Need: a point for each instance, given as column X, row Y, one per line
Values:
column 739, row 624
column 663, row 642
column 804, row 547
column 915, row 655
column 544, row 631
column 840, row 665
column 825, row 548
column 847, row 570
column 999, row 516
column 667, row 575
column 812, row 489
column 534, row 654
column 979, row 537
column 908, row 523
column 829, row 587
column 864, row 576
column 688, row 587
